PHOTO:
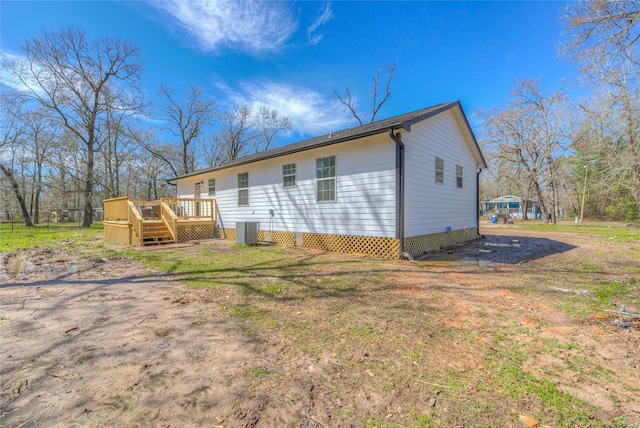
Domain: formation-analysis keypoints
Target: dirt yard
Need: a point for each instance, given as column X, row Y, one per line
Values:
column 109, row 342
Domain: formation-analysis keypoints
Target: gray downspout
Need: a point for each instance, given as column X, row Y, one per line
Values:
column 478, row 201
column 173, row 184
column 400, row 192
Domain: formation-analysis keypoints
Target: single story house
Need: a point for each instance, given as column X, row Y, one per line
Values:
column 511, row 206
column 399, row 186
column 74, row 215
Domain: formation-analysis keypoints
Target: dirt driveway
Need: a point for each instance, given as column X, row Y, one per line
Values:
column 109, row 342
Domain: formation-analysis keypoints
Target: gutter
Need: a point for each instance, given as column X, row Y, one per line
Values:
column 478, row 171
column 173, row 184
column 479, row 209
column 400, row 192
column 291, row 149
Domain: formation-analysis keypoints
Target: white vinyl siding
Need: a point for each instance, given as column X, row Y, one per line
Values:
column 366, row 185
column 365, row 205
column 431, row 207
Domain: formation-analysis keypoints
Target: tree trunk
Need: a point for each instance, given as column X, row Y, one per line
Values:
column 16, row 191
column 543, row 205
column 117, row 171
column 185, row 158
column 38, row 192
column 552, row 194
column 525, row 207
column 88, row 190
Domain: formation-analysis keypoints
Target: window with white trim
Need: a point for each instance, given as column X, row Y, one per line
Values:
column 289, row 175
column 197, row 195
column 212, row 187
column 326, row 179
column 458, row 176
column 243, row 189
column 439, row 171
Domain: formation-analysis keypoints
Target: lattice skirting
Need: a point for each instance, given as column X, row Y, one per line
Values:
column 286, row 239
column 118, row 233
column 417, row 245
column 190, row 232
column 226, row 233
column 388, row 248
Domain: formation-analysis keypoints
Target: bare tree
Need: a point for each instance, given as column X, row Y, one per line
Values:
column 116, row 146
column 233, row 140
column 186, row 120
column 517, row 160
column 245, row 132
column 604, row 40
column 11, row 143
column 41, row 136
column 376, row 103
column 153, row 172
column 601, row 30
column 269, row 125
column 527, row 137
column 70, row 75
column 64, row 182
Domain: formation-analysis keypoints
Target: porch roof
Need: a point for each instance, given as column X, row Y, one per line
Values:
column 508, row 198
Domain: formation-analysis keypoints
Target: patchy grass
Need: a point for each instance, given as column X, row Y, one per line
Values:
column 547, row 403
column 610, row 231
column 599, row 297
column 393, row 345
column 389, row 344
column 17, row 236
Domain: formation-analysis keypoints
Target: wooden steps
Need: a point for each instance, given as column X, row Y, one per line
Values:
column 155, row 233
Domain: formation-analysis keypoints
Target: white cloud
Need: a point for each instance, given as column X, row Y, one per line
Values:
column 311, row 113
column 7, row 77
column 245, row 24
column 325, row 16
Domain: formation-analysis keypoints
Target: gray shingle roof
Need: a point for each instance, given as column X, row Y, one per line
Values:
column 403, row 121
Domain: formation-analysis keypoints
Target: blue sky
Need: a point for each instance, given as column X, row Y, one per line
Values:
column 293, row 56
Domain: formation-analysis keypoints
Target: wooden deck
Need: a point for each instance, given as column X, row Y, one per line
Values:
column 169, row 220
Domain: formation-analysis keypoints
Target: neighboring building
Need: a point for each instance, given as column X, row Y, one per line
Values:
column 405, row 184
column 74, row 215
column 511, row 206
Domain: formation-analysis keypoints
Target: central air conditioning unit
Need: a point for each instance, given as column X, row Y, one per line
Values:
column 247, row 232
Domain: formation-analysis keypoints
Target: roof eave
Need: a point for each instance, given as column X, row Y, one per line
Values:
column 402, row 126
column 398, row 125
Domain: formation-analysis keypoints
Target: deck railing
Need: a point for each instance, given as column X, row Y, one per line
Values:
column 116, row 209
column 170, row 219
column 135, row 219
column 192, row 209
column 171, row 211
column 148, row 210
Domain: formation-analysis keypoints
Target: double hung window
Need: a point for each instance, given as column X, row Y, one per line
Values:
column 289, row 175
column 243, row 189
column 326, row 179
column 439, row 171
